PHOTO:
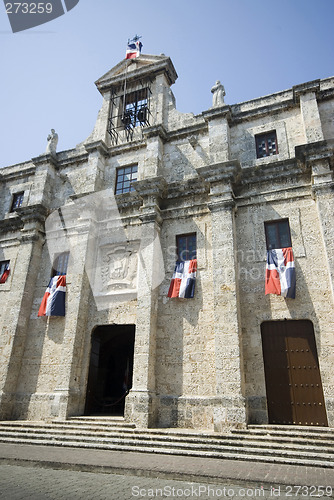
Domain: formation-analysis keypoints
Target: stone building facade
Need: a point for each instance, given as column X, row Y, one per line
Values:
column 114, row 209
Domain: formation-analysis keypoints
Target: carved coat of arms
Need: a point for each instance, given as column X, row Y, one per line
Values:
column 119, row 268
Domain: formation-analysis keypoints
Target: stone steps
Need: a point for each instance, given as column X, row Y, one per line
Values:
column 234, row 438
column 272, row 444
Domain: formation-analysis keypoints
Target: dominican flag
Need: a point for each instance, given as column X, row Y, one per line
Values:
column 53, row 303
column 281, row 272
column 5, row 274
column 133, row 49
column 183, row 280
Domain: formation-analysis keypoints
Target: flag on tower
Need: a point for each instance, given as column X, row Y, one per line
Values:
column 53, row 302
column 281, row 273
column 133, row 49
column 183, row 280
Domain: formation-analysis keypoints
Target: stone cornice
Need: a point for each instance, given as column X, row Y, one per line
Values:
column 325, row 94
column 224, row 172
column 224, row 204
column 187, row 131
column 152, row 216
column 155, row 131
column 128, row 200
column 151, row 187
column 11, row 224
column 32, row 235
column 9, row 175
column 324, row 188
column 221, row 112
column 99, row 146
column 32, row 213
column 76, row 157
column 151, row 191
column 305, row 88
column 126, row 147
column 268, row 172
column 45, row 159
column 149, row 70
column 259, row 111
column 190, row 187
column 315, row 151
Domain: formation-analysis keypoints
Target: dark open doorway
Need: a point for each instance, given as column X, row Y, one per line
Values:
column 110, row 369
column 293, row 380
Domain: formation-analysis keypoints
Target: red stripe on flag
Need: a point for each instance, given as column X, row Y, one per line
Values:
column 288, row 255
column 192, row 266
column 131, row 55
column 174, row 288
column 273, row 283
column 4, row 276
column 42, row 307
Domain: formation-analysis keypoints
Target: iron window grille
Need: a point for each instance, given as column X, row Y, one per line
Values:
column 60, row 264
column 17, row 201
column 266, row 144
column 186, row 246
column 124, row 177
column 278, row 234
column 130, row 111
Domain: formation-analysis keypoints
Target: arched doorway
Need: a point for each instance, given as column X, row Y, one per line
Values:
column 292, row 374
column 110, row 369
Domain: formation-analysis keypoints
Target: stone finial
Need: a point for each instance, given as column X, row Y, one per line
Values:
column 52, row 142
column 218, row 92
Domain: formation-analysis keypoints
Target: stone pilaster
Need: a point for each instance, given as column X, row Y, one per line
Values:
column 306, row 94
column 67, row 397
column 228, row 354
column 17, row 308
column 95, row 167
column 45, row 174
column 320, row 158
column 155, row 138
column 140, row 406
column 219, row 133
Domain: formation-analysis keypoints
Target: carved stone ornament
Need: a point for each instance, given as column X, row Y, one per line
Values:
column 119, row 268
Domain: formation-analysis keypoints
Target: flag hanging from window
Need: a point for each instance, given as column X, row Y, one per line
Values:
column 5, row 274
column 53, row 302
column 133, row 49
column 281, row 273
column 183, row 280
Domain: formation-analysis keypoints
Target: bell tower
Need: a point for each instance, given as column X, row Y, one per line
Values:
column 135, row 95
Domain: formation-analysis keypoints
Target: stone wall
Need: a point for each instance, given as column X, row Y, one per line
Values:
column 198, row 363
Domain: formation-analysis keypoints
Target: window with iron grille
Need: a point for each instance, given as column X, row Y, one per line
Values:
column 60, row 264
column 129, row 111
column 135, row 109
column 124, row 177
column 278, row 234
column 186, row 246
column 266, row 144
column 17, row 201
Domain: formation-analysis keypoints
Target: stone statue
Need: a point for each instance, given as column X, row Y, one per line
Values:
column 52, row 142
column 218, row 92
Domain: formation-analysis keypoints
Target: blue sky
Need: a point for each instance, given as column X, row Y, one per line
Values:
column 254, row 47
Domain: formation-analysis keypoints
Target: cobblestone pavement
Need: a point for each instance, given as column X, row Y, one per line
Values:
column 25, row 482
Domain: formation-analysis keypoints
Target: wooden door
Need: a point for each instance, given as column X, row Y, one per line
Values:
column 293, row 381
